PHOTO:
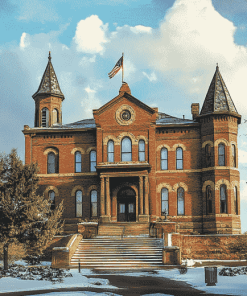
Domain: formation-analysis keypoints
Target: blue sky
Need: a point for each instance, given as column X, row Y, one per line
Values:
column 171, row 49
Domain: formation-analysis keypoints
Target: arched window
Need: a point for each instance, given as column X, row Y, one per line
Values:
column 54, row 116
column 234, row 163
column 94, row 212
column 51, row 195
column 209, row 202
column 223, row 208
column 78, row 162
column 164, row 159
column 52, row 167
column 179, row 158
column 208, row 155
column 93, row 161
column 236, row 200
column 45, row 117
column 141, row 150
column 221, row 154
column 110, row 151
column 164, row 202
column 126, row 149
column 78, row 206
column 180, row 197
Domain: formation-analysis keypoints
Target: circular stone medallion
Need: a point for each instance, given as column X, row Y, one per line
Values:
column 125, row 115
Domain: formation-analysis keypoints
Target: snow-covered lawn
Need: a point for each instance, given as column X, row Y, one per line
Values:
column 235, row 285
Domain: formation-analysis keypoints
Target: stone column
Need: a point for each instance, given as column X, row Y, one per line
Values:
column 141, row 194
column 108, row 198
column 102, row 196
column 146, row 195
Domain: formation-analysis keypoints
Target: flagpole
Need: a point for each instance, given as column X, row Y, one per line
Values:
column 123, row 68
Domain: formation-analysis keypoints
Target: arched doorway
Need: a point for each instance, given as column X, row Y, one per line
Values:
column 126, row 205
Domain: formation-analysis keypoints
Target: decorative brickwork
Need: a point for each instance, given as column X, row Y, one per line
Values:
column 140, row 169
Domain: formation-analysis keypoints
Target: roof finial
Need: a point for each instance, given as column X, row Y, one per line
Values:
column 217, row 67
column 49, row 58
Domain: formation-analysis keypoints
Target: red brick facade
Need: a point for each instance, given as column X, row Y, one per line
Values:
column 164, row 155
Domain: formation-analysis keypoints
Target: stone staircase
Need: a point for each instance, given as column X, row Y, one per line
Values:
column 123, row 229
column 119, row 253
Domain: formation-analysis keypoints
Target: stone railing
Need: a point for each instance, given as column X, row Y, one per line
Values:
column 61, row 256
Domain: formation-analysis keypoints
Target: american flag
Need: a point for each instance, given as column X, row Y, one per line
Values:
column 116, row 68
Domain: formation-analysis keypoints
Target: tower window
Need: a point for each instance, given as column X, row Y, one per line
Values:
column 52, row 167
column 221, row 154
column 164, row 159
column 164, row 202
column 78, row 198
column 209, row 200
column 51, row 195
column 223, row 208
column 180, row 196
column 179, row 158
column 110, row 151
column 141, row 146
column 54, row 116
column 78, row 162
column 126, row 146
column 234, row 163
column 94, row 212
column 93, row 161
column 45, row 118
column 236, row 200
column 208, row 155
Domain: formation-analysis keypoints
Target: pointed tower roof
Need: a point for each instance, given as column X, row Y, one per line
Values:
column 49, row 84
column 218, row 98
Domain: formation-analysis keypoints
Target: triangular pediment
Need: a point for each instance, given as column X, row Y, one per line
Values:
column 124, row 93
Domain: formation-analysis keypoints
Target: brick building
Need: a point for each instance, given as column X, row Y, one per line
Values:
column 132, row 163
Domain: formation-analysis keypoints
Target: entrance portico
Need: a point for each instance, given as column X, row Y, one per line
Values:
column 124, row 196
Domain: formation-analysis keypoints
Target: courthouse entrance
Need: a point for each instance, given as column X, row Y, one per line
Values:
column 126, row 205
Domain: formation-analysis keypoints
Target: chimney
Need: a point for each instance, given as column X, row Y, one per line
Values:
column 195, row 110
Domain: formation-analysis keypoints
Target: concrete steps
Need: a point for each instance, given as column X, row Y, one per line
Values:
column 123, row 228
column 117, row 253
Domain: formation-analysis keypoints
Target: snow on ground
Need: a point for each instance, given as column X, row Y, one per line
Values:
column 8, row 284
column 235, row 285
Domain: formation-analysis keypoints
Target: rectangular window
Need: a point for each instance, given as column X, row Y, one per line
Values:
column 164, row 159
column 179, row 158
column 164, row 201
column 221, row 156
column 141, row 150
column 94, row 211
column 122, row 208
column 131, row 208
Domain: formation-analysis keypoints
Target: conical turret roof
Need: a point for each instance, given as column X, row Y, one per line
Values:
column 218, row 98
column 49, row 84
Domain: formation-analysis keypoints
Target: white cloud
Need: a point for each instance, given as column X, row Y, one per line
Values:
column 24, row 41
column 89, row 90
column 141, row 29
column 36, row 10
column 242, row 156
column 243, row 190
column 90, row 102
column 151, row 77
column 86, row 61
column 90, row 35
